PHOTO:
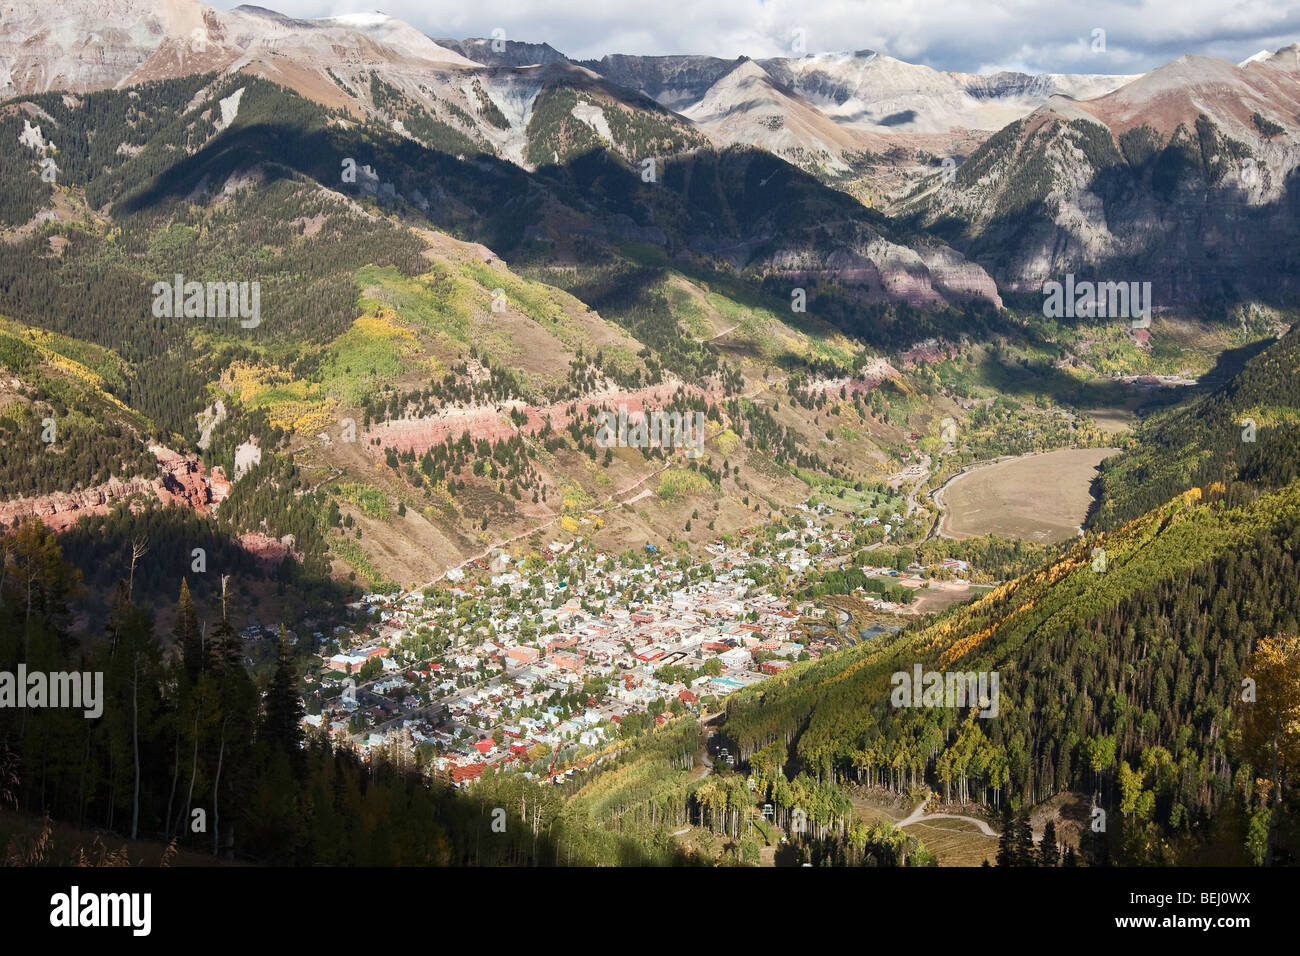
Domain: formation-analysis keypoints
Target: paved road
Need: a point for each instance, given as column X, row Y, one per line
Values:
column 911, row 495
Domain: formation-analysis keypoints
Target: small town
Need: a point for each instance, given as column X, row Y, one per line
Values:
column 542, row 666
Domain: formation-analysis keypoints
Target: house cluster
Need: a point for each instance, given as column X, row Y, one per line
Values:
column 537, row 664
column 544, row 660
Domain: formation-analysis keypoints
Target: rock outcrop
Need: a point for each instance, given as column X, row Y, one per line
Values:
column 181, row 480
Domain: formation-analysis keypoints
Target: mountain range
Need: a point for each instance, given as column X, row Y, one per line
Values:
column 1185, row 177
column 824, row 111
column 1028, row 175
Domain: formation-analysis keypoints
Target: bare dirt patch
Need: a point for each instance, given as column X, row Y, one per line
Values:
column 941, row 594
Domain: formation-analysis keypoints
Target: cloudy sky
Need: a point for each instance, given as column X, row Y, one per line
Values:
column 965, row 35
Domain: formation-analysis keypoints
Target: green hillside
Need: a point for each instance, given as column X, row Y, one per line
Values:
column 1101, row 672
column 1245, row 431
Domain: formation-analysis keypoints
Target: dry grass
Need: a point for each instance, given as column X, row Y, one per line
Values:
column 955, row 842
column 1035, row 498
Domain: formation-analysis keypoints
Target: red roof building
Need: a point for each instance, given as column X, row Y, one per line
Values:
column 460, row 773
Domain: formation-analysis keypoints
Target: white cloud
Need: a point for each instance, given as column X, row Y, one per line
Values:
column 967, row 35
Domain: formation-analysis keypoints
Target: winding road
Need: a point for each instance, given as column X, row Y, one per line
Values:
column 920, row 816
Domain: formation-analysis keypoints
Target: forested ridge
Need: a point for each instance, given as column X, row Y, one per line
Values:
column 175, row 208
column 1245, row 430
column 1124, row 683
column 58, row 436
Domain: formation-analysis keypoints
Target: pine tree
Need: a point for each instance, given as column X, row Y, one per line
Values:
column 225, row 649
column 1049, row 853
column 1006, row 855
column 1095, row 848
column 1022, row 841
column 1069, row 859
column 187, row 633
column 284, row 710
